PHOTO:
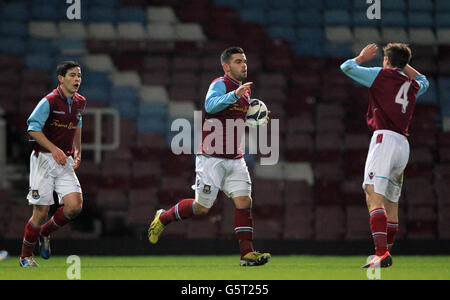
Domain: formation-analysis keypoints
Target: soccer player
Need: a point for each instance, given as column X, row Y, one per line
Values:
column 54, row 127
column 219, row 167
column 393, row 90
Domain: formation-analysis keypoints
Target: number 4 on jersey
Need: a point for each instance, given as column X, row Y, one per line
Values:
column 402, row 96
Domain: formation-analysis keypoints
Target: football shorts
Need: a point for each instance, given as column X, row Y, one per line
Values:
column 46, row 176
column 387, row 159
column 220, row 174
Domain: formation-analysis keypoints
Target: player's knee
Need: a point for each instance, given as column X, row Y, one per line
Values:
column 200, row 209
column 40, row 213
column 73, row 207
column 243, row 202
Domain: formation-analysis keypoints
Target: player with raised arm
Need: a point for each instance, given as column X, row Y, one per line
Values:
column 393, row 90
column 218, row 168
column 55, row 130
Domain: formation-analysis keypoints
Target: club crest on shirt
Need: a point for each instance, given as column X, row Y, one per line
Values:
column 79, row 115
column 207, row 189
column 371, row 175
column 35, row 194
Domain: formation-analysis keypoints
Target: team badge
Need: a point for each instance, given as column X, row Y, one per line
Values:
column 371, row 175
column 35, row 194
column 79, row 115
column 207, row 189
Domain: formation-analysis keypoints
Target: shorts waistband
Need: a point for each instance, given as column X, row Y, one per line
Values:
column 389, row 132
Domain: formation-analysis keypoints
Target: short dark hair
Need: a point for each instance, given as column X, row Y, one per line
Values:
column 399, row 54
column 64, row 66
column 227, row 53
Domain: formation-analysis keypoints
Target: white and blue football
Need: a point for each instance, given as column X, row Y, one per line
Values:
column 257, row 113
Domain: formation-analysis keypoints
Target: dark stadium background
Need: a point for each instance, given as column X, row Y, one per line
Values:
column 153, row 61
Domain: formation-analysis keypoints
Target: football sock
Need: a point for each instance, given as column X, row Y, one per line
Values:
column 57, row 221
column 392, row 229
column 30, row 238
column 378, row 226
column 243, row 228
column 180, row 211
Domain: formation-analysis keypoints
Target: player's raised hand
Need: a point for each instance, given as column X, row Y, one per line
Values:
column 243, row 89
column 368, row 53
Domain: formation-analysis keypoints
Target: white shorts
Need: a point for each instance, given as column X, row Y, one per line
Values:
column 387, row 159
column 213, row 174
column 46, row 176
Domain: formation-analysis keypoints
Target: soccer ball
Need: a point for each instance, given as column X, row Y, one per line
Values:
column 257, row 113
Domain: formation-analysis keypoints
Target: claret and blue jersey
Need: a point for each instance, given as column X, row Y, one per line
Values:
column 58, row 117
column 392, row 95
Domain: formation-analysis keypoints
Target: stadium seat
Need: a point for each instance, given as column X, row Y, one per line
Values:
column 154, row 93
column 444, row 222
column 39, row 62
column 442, row 5
column 13, row 29
column 283, row 17
column 394, row 19
column 98, row 62
column 398, row 34
column 422, row 222
column 419, row 19
column 329, row 222
column 336, row 17
column 131, row 31
column 134, row 14
column 45, row 12
column 15, row 11
column 443, row 35
column 181, row 109
column 366, row 35
column 253, row 15
column 202, row 229
column 298, row 221
column 357, row 222
column 338, row 4
column 71, row 46
column 442, row 20
column 283, row 32
column 309, row 17
column 418, row 191
column 420, row 5
column 394, row 5
column 101, row 30
column 125, row 79
column 338, row 34
column 101, row 14
column 189, row 32
column 11, row 45
column 43, row 29
column 422, row 36
column 236, row 4
column 262, row 4
column 72, row 30
column 161, row 31
column 112, row 199
column 161, row 14
column 267, row 191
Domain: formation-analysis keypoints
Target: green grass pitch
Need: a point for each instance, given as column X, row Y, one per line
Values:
column 227, row 268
